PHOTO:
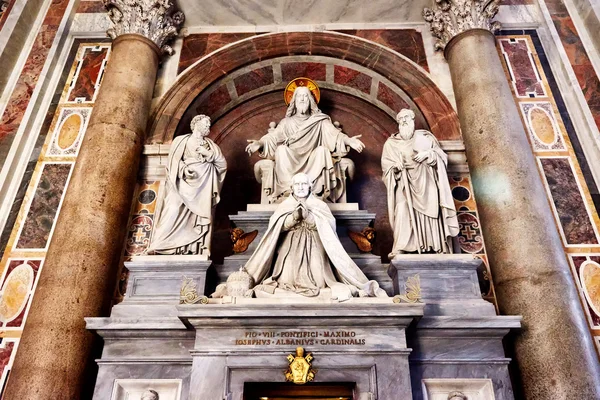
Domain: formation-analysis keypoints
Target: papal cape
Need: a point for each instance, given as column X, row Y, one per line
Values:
column 347, row 279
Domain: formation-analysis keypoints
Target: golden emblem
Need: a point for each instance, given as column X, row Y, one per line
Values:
column 300, row 370
column 309, row 83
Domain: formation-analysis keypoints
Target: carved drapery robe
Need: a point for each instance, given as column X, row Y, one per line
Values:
column 308, row 256
column 433, row 208
column 310, row 145
column 184, row 225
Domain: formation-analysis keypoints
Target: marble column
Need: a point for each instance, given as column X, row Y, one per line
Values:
column 55, row 357
column 554, row 350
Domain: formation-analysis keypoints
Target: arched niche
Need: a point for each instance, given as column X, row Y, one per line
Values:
column 241, row 88
column 411, row 79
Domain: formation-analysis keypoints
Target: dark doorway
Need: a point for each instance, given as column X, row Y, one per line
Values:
column 310, row 391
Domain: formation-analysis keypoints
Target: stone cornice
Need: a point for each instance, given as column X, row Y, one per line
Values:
column 157, row 20
column 450, row 18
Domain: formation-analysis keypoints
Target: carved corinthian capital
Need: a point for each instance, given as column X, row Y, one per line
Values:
column 451, row 17
column 157, row 20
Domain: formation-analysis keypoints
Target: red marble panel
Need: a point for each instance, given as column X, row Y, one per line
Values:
column 90, row 6
column 570, row 205
column 215, row 101
column 523, row 71
column 390, row 98
column 352, row 78
column 19, row 99
column 44, row 206
column 312, row 70
column 197, row 46
column 407, row 42
column 5, row 354
column 85, row 85
column 253, row 80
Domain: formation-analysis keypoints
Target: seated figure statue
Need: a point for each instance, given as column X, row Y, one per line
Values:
column 304, row 141
column 301, row 254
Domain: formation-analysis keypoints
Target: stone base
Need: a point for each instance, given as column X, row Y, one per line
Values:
column 361, row 343
column 449, row 283
column 158, row 278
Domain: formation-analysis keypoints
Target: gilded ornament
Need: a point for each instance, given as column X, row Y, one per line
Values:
column 242, row 240
column 412, row 290
column 363, row 240
column 300, row 370
column 288, row 93
column 189, row 293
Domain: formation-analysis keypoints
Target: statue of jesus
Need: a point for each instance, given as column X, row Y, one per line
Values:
column 305, row 141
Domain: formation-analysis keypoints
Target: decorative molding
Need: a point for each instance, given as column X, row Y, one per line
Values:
column 452, row 17
column 157, row 20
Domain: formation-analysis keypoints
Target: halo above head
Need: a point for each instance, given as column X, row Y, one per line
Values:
column 309, row 83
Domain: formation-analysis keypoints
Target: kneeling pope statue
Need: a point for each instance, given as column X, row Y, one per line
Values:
column 301, row 254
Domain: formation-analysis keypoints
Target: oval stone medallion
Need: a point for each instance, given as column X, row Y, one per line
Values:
column 589, row 273
column 69, row 131
column 16, row 290
column 542, row 125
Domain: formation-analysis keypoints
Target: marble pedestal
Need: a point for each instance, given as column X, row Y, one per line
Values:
column 356, row 341
column 449, row 283
column 458, row 342
column 158, row 278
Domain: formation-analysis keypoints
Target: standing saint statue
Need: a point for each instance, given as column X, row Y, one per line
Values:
column 420, row 204
column 196, row 169
column 305, row 141
column 301, row 254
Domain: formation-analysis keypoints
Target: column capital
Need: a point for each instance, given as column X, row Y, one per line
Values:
column 157, row 20
column 450, row 18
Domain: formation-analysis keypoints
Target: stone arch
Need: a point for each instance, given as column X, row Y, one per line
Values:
column 402, row 72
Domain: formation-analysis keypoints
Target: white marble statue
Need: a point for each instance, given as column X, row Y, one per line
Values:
column 150, row 395
column 301, row 254
column 420, row 204
column 196, row 169
column 305, row 141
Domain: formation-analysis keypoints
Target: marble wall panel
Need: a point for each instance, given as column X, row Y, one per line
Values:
column 586, row 271
column 524, row 74
column 88, row 75
column 90, row 6
column 214, row 102
column 44, row 206
column 470, row 238
column 578, row 57
column 408, row 42
column 143, row 217
column 388, row 97
column 313, row 70
column 197, row 46
column 352, row 78
column 8, row 350
column 576, row 224
column 542, row 126
column 253, row 80
column 30, row 74
column 68, row 131
column 18, row 282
